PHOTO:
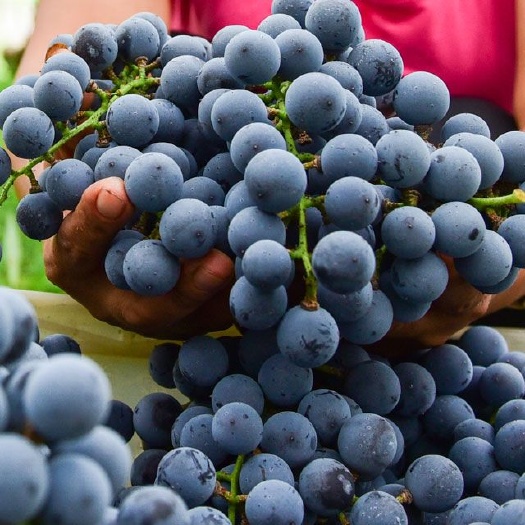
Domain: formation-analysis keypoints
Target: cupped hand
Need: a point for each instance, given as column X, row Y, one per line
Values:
column 74, row 261
column 458, row 307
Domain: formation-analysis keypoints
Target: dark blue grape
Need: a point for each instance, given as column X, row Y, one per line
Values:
column 326, row 487
column 251, row 139
column 509, row 446
column 252, row 56
column 189, row 472
column 123, row 115
column 329, row 268
column 180, row 45
column 418, row 389
column 67, row 180
column 474, row 428
column 435, row 482
column 120, row 419
column 378, row 508
column 150, row 269
column 419, row 280
column 373, row 124
column 512, row 511
column 335, row 23
column 367, row 444
column 349, row 155
column 15, row 97
column 24, row 483
column 137, row 37
column 161, row 361
column 79, row 490
column 114, row 161
column 275, row 179
column 215, row 75
column 450, row 366
column 38, row 216
column 153, row 417
column 315, row 102
column 460, row 229
column 485, row 151
column 475, row 458
column 203, row 360
column 284, row 383
column 464, row 123
column 237, row 428
column 96, row 44
column 484, row 344
column 290, row 436
column 257, row 309
column 308, row 338
column 374, row 325
column 446, row 412
column 511, row 146
column 187, row 229
column 379, row 64
column 328, row 411
column 499, row 486
column 274, row 501
column 261, row 467
column 178, row 81
column 511, row 229
column 500, row 383
column 197, row 433
column 421, row 98
column 403, row 158
column 408, row 232
column 472, row 510
column 301, row 52
column 374, row 386
column 234, row 109
column 80, row 403
column 237, row 387
column 144, row 467
column 346, row 74
column 28, row 132
column 58, row 94
column 152, row 504
column 454, row 174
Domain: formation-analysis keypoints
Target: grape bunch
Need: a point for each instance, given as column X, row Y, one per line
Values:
column 300, row 149
column 362, row 440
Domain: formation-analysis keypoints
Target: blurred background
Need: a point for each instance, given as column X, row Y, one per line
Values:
column 21, row 266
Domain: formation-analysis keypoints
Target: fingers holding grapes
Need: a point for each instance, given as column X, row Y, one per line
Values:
column 75, row 260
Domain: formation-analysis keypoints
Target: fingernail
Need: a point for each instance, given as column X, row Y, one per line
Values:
column 109, row 205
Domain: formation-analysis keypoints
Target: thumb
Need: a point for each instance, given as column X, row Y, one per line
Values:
column 87, row 231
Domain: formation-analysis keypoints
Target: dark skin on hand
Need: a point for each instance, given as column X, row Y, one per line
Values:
column 74, row 261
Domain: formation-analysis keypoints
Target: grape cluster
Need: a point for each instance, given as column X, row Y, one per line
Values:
column 300, row 150
column 366, row 440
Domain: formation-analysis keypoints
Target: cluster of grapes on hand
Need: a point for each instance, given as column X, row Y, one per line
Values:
column 268, row 144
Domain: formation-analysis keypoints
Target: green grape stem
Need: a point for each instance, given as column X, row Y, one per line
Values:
column 232, row 496
column 483, row 203
column 301, row 252
column 93, row 121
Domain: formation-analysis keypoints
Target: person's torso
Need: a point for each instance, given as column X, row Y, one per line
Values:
column 470, row 44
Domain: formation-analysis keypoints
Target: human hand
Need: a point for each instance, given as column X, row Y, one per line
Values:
column 459, row 306
column 74, row 261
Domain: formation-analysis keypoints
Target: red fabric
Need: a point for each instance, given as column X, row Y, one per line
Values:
column 470, row 44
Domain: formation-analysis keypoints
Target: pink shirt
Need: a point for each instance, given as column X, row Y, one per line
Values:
column 470, row 44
